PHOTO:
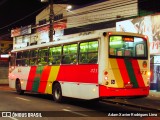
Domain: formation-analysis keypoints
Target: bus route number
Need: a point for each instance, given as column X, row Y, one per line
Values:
column 143, row 72
column 94, row 70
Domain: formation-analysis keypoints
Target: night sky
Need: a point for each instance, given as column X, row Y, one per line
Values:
column 13, row 13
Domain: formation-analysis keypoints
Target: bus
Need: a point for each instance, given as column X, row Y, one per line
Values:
column 88, row 65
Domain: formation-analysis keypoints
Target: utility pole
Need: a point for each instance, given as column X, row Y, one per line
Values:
column 51, row 21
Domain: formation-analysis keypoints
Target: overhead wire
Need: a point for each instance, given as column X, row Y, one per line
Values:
column 22, row 18
column 82, row 13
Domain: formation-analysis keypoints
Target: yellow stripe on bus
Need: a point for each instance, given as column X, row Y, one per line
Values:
column 52, row 77
column 116, row 73
column 144, row 75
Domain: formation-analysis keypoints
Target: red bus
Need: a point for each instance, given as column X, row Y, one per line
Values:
column 88, row 66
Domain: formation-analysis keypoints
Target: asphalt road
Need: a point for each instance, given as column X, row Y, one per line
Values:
column 31, row 104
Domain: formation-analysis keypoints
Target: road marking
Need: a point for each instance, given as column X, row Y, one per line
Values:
column 75, row 112
column 22, row 99
column 13, row 118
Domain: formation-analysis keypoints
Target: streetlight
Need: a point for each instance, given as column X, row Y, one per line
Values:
column 51, row 19
column 69, row 7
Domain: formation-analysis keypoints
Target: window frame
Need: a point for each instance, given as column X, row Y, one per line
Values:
column 92, row 52
column 39, row 57
column 134, row 48
column 51, row 57
column 72, row 56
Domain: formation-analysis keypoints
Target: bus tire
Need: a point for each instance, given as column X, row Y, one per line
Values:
column 57, row 93
column 18, row 88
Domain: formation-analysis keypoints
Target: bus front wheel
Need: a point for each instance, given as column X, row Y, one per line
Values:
column 57, row 93
column 18, row 88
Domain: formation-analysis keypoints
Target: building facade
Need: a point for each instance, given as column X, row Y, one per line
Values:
column 5, row 45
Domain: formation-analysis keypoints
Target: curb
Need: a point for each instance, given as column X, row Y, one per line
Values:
column 132, row 105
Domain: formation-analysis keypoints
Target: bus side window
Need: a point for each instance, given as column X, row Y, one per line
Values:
column 12, row 59
column 55, row 55
column 25, row 61
column 88, row 52
column 83, row 58
column 66, row 59
column 94, row 58
column 69, row 54
column 19, row 59
column 33, row 57
column 140, row 50
column 93, row 51
column 43, row 56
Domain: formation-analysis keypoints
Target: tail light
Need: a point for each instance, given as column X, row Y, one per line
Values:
column 144, row 64
column 106, row 77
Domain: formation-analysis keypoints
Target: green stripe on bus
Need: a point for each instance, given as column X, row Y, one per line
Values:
column 37, row 78
column 131, row 73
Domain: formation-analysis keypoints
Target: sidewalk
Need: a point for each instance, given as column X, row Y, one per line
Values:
column 5, row 87
column 151, row 102
column 3, row 81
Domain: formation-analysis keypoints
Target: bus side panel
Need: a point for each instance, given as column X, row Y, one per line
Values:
column 52, row 77
column 79, row 81
column 78, row 73
column 20, row 73
column 31, row 77
column 83, row 90
column 36, row 82
column 44, row 78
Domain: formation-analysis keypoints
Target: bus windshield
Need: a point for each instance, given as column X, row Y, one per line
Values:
column 127, row 46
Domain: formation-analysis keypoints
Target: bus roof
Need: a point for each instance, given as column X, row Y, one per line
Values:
column 74, row 38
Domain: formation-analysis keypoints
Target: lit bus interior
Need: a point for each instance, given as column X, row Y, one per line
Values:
column 82, row 53
column 122, row 46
